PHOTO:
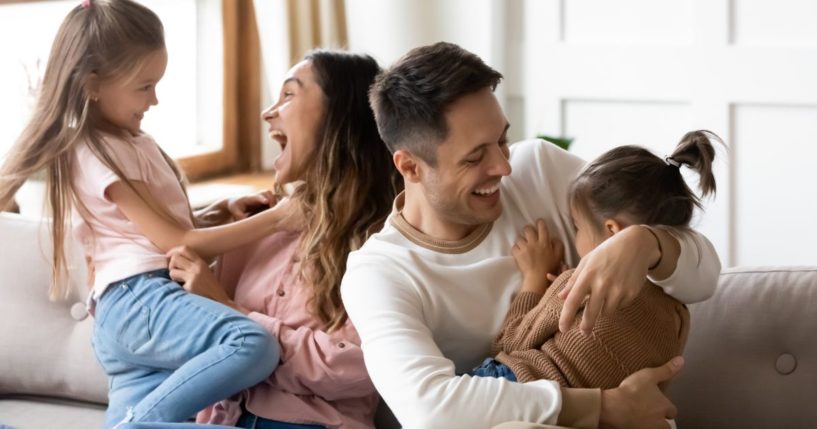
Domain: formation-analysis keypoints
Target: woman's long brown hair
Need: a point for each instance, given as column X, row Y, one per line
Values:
column 351, row 185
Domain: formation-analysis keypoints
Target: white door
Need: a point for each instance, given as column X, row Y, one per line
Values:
column 644, row 72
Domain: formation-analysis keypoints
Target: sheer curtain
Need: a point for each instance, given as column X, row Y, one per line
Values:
column 287, row 30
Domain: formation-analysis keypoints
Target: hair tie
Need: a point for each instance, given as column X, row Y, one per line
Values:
column 85, row 4
column 669, row 161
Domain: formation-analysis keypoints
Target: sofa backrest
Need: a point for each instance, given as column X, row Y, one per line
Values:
column 751, row 357
column 45, row 347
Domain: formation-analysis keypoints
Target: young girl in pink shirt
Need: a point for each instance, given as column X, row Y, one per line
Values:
column 168, row 353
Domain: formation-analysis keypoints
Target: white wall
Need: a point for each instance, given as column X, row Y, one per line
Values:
column 644, row 72
column 387, row 29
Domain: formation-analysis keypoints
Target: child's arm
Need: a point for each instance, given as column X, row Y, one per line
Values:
column 229, row 210
column 537, row 256
column 532, row 319
column 207, row 242
column 513, row 329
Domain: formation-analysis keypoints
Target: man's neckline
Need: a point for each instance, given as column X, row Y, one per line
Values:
column 424, row 240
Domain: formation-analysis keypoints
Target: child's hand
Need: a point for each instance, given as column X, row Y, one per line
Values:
column 537, row 255
column 562, row 268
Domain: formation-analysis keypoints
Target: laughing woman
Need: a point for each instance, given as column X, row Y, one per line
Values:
column 289, row 282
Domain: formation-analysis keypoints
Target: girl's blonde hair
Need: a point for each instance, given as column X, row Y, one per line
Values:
column 110, row 38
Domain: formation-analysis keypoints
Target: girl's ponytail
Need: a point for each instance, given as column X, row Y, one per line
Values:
column 632, row 182
column 697, row 152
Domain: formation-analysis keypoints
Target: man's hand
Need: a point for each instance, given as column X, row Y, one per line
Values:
column 638, row 402
column 538, row 257
column 612, row 274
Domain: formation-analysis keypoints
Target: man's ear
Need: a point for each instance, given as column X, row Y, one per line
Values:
column 408, row 165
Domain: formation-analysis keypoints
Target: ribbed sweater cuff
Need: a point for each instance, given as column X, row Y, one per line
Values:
column 581, row 408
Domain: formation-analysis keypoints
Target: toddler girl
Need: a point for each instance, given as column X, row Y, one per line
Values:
column 625, row 187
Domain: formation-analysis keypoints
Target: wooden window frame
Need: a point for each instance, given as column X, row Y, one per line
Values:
column 241, row 151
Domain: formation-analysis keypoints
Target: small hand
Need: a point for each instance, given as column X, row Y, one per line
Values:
column 553, row 276
column 192, row 272
column 612, row 274
column 537, row 256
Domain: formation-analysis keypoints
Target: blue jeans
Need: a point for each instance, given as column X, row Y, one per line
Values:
column 492, row 368
column 247, row 420
column 169, row 353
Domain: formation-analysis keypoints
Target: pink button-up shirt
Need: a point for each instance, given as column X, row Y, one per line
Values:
column 321, row 378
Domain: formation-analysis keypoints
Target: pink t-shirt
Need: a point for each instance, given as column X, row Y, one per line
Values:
column 115, row 244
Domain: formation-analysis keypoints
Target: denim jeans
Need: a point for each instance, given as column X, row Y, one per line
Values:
column 249, row 420
column 492, row 368
column 169, row 353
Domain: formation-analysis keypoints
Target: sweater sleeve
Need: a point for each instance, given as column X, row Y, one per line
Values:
column 314, row 362
column 537, row 324
column 696, row 274
column 413, row 376
column 513, row 327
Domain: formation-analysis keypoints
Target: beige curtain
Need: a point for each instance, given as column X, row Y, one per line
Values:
column 290, row 28
column 315, row 24
column 287, row 29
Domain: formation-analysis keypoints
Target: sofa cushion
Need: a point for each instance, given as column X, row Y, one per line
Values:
column 23, row 413
column 751, row 357
column 46, row 346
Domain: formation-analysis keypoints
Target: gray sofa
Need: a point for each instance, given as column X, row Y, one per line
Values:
column 751, row 357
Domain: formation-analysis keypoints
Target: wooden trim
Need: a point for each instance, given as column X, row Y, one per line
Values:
column 242, row 98
column 249, row 90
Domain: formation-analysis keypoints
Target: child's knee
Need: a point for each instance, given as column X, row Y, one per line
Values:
column 262, row 347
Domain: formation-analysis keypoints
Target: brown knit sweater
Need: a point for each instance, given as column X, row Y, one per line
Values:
column 646, row 333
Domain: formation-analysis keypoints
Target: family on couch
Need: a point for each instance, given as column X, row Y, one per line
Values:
column 406, row 172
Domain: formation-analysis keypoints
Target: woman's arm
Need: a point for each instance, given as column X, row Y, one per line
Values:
column 207, row 242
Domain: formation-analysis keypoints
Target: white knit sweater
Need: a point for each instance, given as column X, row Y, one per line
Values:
column 427, row 311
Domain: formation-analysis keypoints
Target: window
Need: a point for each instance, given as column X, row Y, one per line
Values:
column 198, row 118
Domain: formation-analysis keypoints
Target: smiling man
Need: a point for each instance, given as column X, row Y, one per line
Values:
column 429, row 292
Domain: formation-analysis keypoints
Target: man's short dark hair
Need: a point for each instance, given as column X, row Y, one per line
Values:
column 409, row 99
